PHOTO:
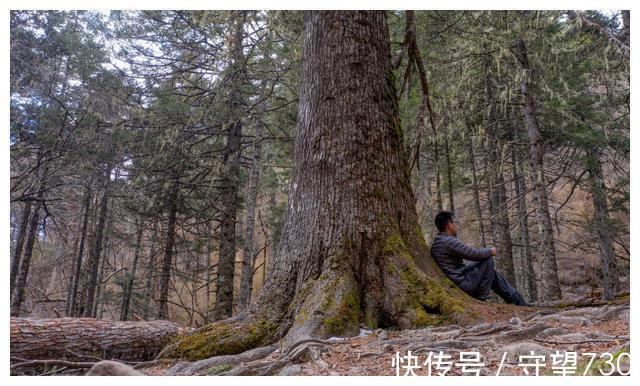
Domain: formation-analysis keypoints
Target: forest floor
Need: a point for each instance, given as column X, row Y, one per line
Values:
column 561, row 339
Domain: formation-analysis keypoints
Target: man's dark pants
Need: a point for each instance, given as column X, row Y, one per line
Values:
column 481, row 277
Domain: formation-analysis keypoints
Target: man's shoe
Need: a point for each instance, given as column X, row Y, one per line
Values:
column 519, row 300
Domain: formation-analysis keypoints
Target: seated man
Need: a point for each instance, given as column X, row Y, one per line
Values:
column 476, row 279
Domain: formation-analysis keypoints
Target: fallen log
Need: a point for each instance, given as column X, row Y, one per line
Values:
column 73, row 338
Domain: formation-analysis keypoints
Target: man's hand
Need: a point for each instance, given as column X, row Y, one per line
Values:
column 494, row 251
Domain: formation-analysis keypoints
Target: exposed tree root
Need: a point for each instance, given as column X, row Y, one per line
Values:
column 220, row 364
column 333, row 305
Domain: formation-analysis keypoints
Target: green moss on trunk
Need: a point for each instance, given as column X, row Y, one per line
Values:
column 223, row 338
column 331, row 306
column 342, row 315
column 421, row 300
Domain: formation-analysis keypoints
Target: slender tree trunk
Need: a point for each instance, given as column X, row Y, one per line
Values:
column 124, row 315
column 96, row 251
column 525, row 274
column 22, row 235
column 500, row 228
column 20, row 285
column 72, row 303
column 436, row 161
column 603, row 225
column 249, row 253
column 626, row 27
column 476, row 191
column 96, row 310
column 21, row 278
column 426, row 195
column 165, row 273
column 85, row 274
column 447, row 151
column 428, row 202
column 227, row 257
column 273, row 243
column 351, row 250
column 151, row 271
column 414, row 53
column 98, row 303
column 550, row 288
column 72, row 269
column 207, row 275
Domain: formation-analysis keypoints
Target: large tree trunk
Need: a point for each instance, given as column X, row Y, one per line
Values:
column 61, row 338
column 550, row 288
column 22, row 235
column 603, row 225
column 351, row 250
column 227, row 256
column 500, row 228
column 72, row 301
column 250, row 250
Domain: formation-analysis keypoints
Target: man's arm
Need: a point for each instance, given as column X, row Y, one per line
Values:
column 467, row 252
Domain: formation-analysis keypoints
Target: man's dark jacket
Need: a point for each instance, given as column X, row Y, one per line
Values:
column 449, row 253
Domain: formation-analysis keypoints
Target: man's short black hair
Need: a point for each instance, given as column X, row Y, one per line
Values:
column 442, row 219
